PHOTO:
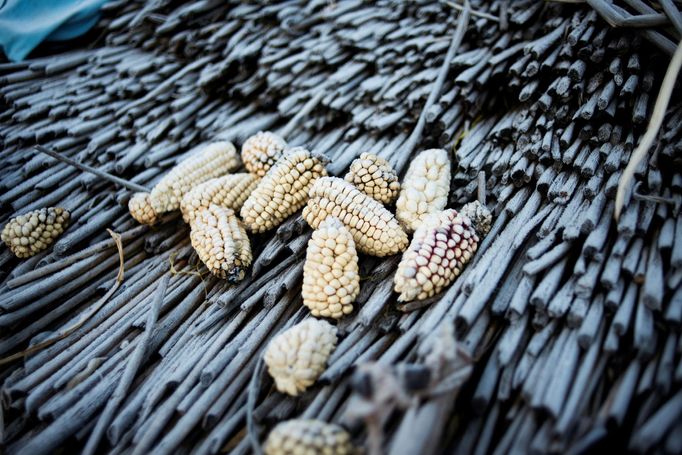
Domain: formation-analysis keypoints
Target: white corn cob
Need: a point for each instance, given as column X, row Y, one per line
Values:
column 261, row 151
column 221, row 242
column 308, row 437
column 375, row 230
column 214, row 160
column 375, row 177
column 425, row 188
column 440, row 248
column 330, row 273
column 296, row 357
column 282, row 191
column 140, row 207
column 229, row 191
column 29, row 234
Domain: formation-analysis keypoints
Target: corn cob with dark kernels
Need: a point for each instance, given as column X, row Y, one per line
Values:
column 140, row 207
column 29, row 234
column 214, row 160
column 375, row 177
column 425, row 188
column 221, row 242
column 441, row 247
column 229, row 191
column 375, row 230
column 303, row 436
column 282, row 191
column 296, row 357
column 261, row 151
column 330, row 273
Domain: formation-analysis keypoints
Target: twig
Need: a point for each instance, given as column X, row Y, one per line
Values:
column 254, row 387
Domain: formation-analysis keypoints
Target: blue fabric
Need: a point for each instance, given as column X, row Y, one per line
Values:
column 24, row 24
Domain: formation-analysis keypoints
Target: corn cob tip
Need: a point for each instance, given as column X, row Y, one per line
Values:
column 308, row 436
column 375, row 177
column 28, row 234
column 261, row 151
column 480, row 216
column 141, row 209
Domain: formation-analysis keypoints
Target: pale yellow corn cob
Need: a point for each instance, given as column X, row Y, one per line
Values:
column 29, row 234
column 330, row 273
column 374, row 229
column 214, row 160
column 308, row 437
column 229, row 191
column 282, row 191
column 425, row 188
column 441, row 247
column 375, row 177
column 221, row 242
column 261, row 151
column 140, row 207
column 296, row 357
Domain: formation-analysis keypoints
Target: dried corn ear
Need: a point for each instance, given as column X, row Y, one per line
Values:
column 425, row 188
column 229, row 191
column 29, row 234
column 479, row 215
column 282, row 191
column 308, row 436
column 330, row 273
column 375, row 177
column 140, row 207
column 261, row 151
column 214, row 160
column 439, row 250
column 221, row 242
column 296, row 357
column 374, row 229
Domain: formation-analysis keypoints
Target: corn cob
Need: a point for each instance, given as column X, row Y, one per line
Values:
column 374, row 229
column 303, row 436
column 261, row 151
column 296, row 357
column 330, row 273
column 374, row 177
column 479, row 215
column 425, row 188
column 282, row 191
column 440, row 249
column 140, row 207
column 29, row 234
column 221, row 242
column 229, row 191
column 214, row 160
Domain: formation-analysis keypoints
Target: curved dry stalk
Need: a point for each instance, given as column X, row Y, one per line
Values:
column 662, row 101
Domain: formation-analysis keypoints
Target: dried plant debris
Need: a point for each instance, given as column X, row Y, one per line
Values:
column 374, row 229
column 330, row 273
column 31, row 233
column 140, row 208
column 221, row 242
column 213, row 160
column 441, row 247
column 375, row 177
column 229, row 191
column 308, row 436
column 296, row 357
column 425, row 187
column 261, row 151
column 283, row 190
column 481, row 218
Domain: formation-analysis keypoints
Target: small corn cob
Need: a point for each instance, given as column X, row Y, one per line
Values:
column 303, row 436
column 440, row 248
column 140, row 207
column 425, row 188
column 282, row 191
column 330, row 273
column 374, row 177
column 296, row 357
column 221, row 242
column 29, row 234
column 229, row 191
column 214, row 160
column 479, row 215
column 261, row 151
column 375, row 230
